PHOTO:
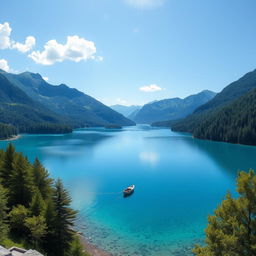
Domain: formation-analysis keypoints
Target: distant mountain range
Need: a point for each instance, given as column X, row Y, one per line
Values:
column 125, row 110
column 28, row 101
column 230, row 116
column 171, row 109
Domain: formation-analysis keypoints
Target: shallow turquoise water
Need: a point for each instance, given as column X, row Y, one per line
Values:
column 179, row 181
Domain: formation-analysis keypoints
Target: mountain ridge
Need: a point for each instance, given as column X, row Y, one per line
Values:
column 83, row 109
column 228, row 94
column 173, row 108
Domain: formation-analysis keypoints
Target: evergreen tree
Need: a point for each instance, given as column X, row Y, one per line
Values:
column 232, row 230
column 7, row 166
column 76, row 248
column 17, row 217
column 41, row 179
column 37, row 205
column 3, row 214
column 21, row 185
column 49, row 240
column 37, row 228
column 64, row 220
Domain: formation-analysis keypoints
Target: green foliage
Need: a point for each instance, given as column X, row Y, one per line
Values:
column 41, row 179
column 7, row 131
column 19, row 113
column 37, row 205
column 38, row 214
column 3, row 214
column 37, row 228
column 76, row 248
column 21, row 185
column 234, row 123
column 227, row 124
column 64, row 219
column 6, row 169
column 231, row 231
column 34, row 106
column 17, row 216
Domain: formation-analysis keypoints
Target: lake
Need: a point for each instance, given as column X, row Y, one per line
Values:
column 179, row 181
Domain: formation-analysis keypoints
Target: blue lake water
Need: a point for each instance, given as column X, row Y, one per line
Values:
column 179, row 181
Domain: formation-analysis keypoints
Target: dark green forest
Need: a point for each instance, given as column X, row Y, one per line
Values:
column 7, row 131
column 35, row 210
column 229, row 116
column 235, row 123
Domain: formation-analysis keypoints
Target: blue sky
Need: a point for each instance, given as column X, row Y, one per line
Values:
column 131, row 51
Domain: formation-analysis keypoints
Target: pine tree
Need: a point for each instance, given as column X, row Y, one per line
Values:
column 7, row 166
column 76, row 248
column 232, row 230
column 3, row 214
column 37, row 205
column 37, row 228
column 49, row 240
column 21, row 185
column 41, row 179
column 17, row 217
column 64, row 220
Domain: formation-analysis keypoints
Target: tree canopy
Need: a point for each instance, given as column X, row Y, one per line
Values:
column 231, row 231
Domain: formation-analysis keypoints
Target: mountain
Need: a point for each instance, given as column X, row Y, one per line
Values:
column 134, row 114
column 171, row 109
column 125, row 110
column 233, row 123
column 82, row 109
column 226, row 96
column 19, row 110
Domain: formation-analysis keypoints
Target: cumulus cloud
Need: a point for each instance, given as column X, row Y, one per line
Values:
column 4, row 65
column 145, row 3
column 27, row 46
column 150, row 88
column 75, row 49
column 7, row 43
column 5, row 32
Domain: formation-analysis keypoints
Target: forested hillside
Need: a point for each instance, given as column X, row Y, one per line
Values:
column 34, row 209
column 7, row 131
column 226, row 96
column 26, row 115
column 83, row 110
column 234, row 123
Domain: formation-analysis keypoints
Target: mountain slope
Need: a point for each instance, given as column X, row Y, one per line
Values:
column 21, row 111
column 171, row 109
column 81, row 108
column 125, row 110
column 233, row 123
column 227, row 95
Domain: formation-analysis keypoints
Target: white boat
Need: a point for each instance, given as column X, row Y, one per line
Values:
column 128, row 191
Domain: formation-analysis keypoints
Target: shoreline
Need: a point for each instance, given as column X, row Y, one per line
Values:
column 16, row 137
column 92, row 249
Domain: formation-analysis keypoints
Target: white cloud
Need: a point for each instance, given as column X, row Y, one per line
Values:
column 4, row 65
column 5, row 31
column 27, row 46
column 7, row 43
column 150, row 88
column 46, row 78
column 75, row 49
column 145, row 3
